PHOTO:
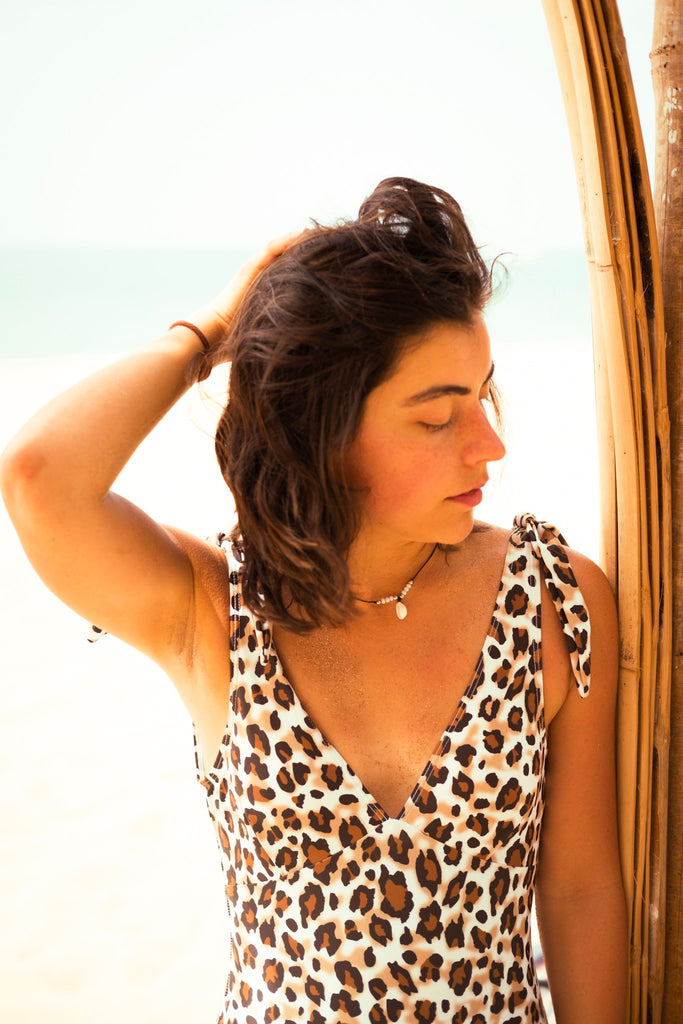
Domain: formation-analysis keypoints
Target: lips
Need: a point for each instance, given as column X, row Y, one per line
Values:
column 477, row 487
column 469, row 498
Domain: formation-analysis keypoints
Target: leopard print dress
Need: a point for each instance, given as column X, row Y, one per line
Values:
column 340, row 913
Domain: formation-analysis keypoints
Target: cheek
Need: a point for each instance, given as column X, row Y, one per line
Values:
column 391, row 474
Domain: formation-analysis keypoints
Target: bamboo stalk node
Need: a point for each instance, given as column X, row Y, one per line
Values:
column 664, row 50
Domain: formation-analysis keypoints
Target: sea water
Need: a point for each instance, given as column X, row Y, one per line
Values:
column 70, row 301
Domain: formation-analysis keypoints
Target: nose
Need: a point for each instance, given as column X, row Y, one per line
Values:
column 484, row 443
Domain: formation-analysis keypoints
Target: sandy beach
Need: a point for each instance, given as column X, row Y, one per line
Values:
column 110, row 894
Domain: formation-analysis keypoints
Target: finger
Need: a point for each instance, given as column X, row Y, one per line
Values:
column 226, row 301
column 260, row 261
column 276, row 246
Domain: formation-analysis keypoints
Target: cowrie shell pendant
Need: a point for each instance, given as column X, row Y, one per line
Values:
column 401, row 610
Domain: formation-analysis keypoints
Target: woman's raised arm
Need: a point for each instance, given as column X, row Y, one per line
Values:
column 98, row 552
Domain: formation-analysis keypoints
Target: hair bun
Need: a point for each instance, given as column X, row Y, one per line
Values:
column 424, row 217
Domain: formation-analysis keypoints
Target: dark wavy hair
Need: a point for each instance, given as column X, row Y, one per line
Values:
column 321, row 326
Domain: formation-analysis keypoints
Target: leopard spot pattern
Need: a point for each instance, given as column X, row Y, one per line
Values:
column 340, row 913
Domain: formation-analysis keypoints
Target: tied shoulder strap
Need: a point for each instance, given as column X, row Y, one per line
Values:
column 550, row 548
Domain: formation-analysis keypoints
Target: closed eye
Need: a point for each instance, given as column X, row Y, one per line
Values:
column 436, row 427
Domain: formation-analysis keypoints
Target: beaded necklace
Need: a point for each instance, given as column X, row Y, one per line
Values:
column 401, row 610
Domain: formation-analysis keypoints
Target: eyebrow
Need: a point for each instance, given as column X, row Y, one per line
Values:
column 441, row 390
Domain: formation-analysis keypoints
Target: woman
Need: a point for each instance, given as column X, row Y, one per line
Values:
column 388, row 698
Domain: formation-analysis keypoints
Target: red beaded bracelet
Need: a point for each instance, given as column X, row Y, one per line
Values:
column 192, row 327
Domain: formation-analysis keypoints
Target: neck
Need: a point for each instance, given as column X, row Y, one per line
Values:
column 381, row 570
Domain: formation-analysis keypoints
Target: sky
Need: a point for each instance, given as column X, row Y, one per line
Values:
column 222, row 123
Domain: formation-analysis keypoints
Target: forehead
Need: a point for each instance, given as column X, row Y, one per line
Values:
column 448, row 356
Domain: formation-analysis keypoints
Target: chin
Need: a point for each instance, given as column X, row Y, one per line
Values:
column 457, row 532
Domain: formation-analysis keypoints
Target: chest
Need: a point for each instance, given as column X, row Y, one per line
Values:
column 383, row 691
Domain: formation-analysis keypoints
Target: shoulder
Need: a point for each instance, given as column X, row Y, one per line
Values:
column 211, row 585
column 578, row 613
column 487, row 542
column 594, row 592
column 573, row 578
column 207, row 555
column 477, row 564
column 601, row 607
column 592, row 613
column 594, row 585
column 202, row 678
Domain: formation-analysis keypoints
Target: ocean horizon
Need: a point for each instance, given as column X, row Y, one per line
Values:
column 66, row 301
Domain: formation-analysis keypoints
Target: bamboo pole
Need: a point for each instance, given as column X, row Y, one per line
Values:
column 628, row 337
column 667, row 73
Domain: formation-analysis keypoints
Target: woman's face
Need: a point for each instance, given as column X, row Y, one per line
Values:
column 420, row 457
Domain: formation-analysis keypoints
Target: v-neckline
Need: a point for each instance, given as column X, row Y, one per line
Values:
column 375, row 809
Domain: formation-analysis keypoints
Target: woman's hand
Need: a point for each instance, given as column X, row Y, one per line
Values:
column 215, row 318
